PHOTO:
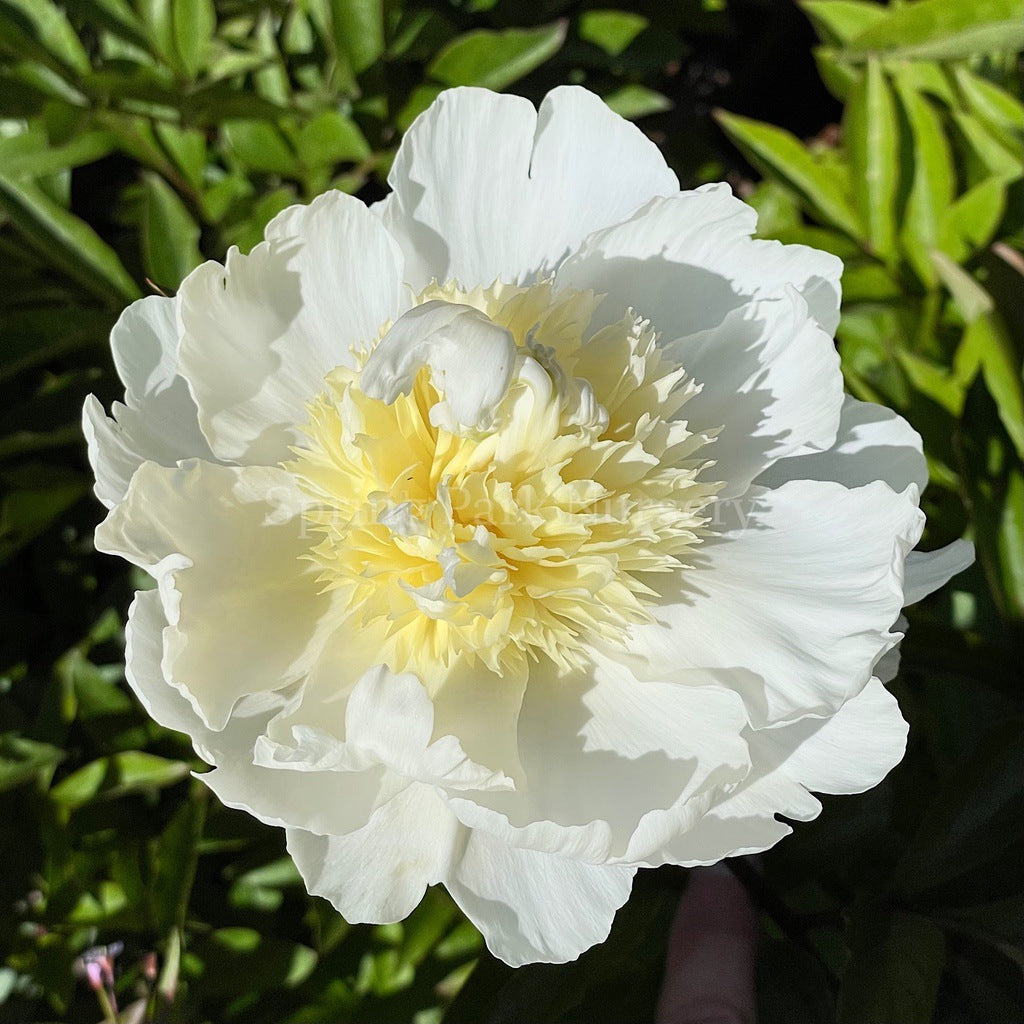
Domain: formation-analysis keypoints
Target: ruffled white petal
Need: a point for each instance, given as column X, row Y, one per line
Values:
column 848, row 752
column 261, row 332
column 794, row 597
column 770, row 379
column 614, row 766
column 486, row 187
column 872, row 443
column 927, row 571
column 225, row 547
column 157, row 421
column 378, row 874
column 686, row 261
column 533, row 906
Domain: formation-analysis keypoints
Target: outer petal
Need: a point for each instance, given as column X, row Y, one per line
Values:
column 927, row 571
column 485, row 187
column 873, row 443
column 533, row 906
column 771, row 382
column 379, row 873
column 261, row 333
column 225, row 548
column 613, row 766
column 158, row 420
column 848, row 752
column 795, row 599
column 684, row 262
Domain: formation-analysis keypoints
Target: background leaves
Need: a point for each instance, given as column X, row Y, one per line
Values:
column 139, row 137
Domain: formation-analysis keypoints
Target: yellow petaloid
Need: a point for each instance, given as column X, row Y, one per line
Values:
column 525, row 536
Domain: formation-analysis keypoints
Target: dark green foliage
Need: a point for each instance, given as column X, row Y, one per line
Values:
column 139, row 137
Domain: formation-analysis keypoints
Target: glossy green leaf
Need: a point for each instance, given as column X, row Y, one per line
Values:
column 170, row 237
column 194, row 22
column 359, row 31
column 971, row 299
column 839, row 21
column 929, row 168
column 130, row 771
column 261, row 147
column 31, row 155
column 331, row 138
column 67, row 240
column 22, row 760
column 780, row 154
column 611, row 30
column 494, row 60
column 942, row 30
column 871, row 133
column 987, row 101
column 998, row 157
column 975, row 215
column 895, row 966
column 1001, row 368
column 47, row 24
column 636, row 101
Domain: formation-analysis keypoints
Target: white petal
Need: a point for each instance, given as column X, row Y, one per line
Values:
column 379, row 873
column 158, row 421
column 849, row 752
column 226, row 549
column 795, row 601
column 470, row 357
column 610, row 763
column 873, row 443
column 388, row 723
column 927, row 571
column 261, row 333
column 771, row 382
column 684, row 262
column 533, row 906
column 485, row 187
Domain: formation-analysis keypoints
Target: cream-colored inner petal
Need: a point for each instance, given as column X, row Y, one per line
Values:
column 528, row 536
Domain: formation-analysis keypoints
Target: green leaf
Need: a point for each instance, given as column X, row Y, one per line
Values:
column 1011, row 545
column 359, row 31
column 635, row 101
column 611, row 30
column 130, row 771
column 31, row 155
column 68, row 241
column 942, row 30
column 46, row 23
column 494, row 60
column 929, row 167
column 781, row 155
column 894, row 971
column 238, row 961
column 177, row 854
column 971, row 299
column 998, row 158
column 37, row 495
column 170, row 237
column 22, row 760
column 987, row 101
column 1001, row 369
column 839, row 21
column 194, row 22
column 331, row 138
column 261, row 147
column 871, row 132
column 975, row 216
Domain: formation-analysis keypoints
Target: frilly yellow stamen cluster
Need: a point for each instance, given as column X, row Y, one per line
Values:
column 531, row 537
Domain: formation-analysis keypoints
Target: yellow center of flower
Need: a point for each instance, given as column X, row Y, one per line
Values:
column 528, row 531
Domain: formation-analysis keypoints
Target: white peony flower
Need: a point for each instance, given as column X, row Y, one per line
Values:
column 514, row 533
